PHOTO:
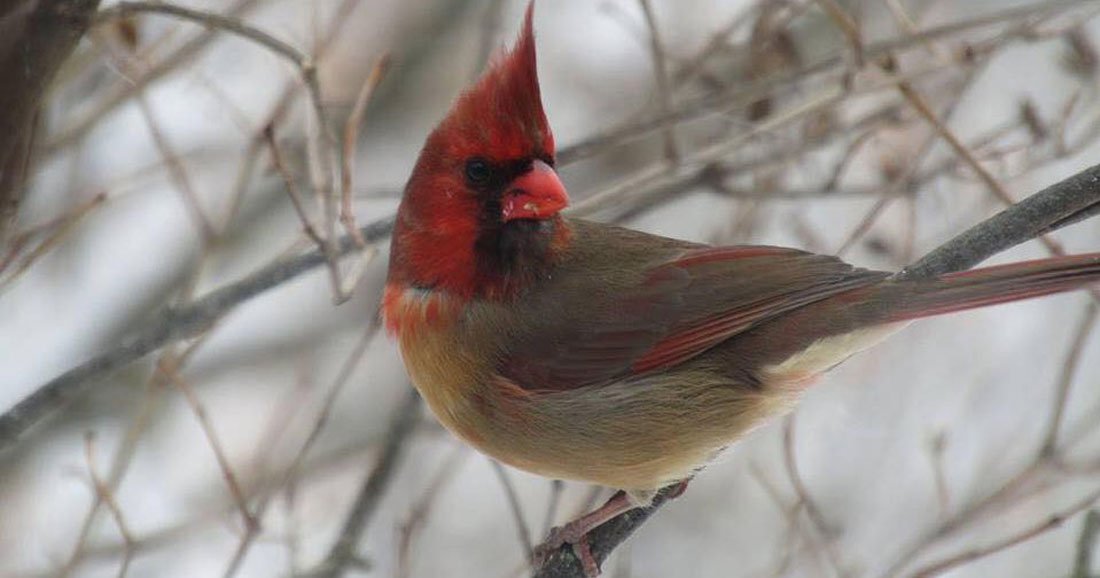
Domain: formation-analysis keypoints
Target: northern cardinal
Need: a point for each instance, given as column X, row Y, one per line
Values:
column 583, row 351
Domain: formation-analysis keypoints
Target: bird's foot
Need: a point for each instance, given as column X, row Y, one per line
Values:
column 575, row 534
column 584, row 554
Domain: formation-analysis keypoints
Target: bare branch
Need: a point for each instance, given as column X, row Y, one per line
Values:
column 1065, row 379
column 1085, row 544
column 343, row 554
column 660, row 72
column 293, row 471
column 324, row 144
column 422, row 507
column 817, row 519
column 208, row 19
column 179, row 174
column 171, row 371
column 45, row 33
column 1048, row 523
column 848, row 26
column 173, row 324
column 1059, row 203
column 351, row 137
column 124, row 91
column 708, row 104
column 104, row 493
column 522, row 530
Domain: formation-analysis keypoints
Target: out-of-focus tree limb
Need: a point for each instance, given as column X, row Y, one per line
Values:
column 36, row 36
column 342, row 556
column 173, row 325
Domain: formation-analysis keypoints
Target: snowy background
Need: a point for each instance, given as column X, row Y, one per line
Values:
column 922, row 449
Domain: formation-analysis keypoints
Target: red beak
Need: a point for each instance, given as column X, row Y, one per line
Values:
column 536, row 194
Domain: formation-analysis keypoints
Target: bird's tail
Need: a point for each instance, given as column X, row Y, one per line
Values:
column 816, row 337
column 953, row 292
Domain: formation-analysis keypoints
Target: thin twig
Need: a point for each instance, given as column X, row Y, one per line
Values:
column 173, row 324
column 56, row 230
column 104, row 493
column 178, row 173
column 994, row 185
column 343, row 376
column 817, row 519
column 325, row 141
column 343, row 554
column 418, row 514
column 718, row 40
column 693, row 109
column 556, row 487
column 848, row 26
column 292, row 189
column 1065, row 379
column 901, row 182
column 865, row 224
column 123, row 456
column 789, row 513
column 231, row 480
column 660, row 72
column 228, row 23
column 937, row 444
column 1082, row 563
column 514, row 505
column 351, row 137
column 1048, row 523
column 634, row 186
column 133, row 85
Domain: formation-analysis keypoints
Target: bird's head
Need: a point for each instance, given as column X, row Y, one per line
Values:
column 480, row 213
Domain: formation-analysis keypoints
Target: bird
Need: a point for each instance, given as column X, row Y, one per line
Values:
column 584, row 351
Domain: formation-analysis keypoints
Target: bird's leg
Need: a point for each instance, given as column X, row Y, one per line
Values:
column 583, row 553
column 576, row 532
column 572, row 532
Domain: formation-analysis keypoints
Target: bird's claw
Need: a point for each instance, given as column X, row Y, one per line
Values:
column 576, row 535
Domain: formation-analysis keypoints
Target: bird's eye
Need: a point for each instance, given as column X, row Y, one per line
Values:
column 478, row 171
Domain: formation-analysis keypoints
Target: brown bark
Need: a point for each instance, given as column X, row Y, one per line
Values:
column 36, row 36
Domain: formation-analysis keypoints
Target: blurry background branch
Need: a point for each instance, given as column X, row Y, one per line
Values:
column 36, row 36
column 170, row 326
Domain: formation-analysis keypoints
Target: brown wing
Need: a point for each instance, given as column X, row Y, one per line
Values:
column 636, row 318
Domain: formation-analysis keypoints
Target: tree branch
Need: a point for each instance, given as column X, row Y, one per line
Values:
column 35, row 38
column 174, row 324
column 602, row 540
column 1054, row 207
column 343, row 555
